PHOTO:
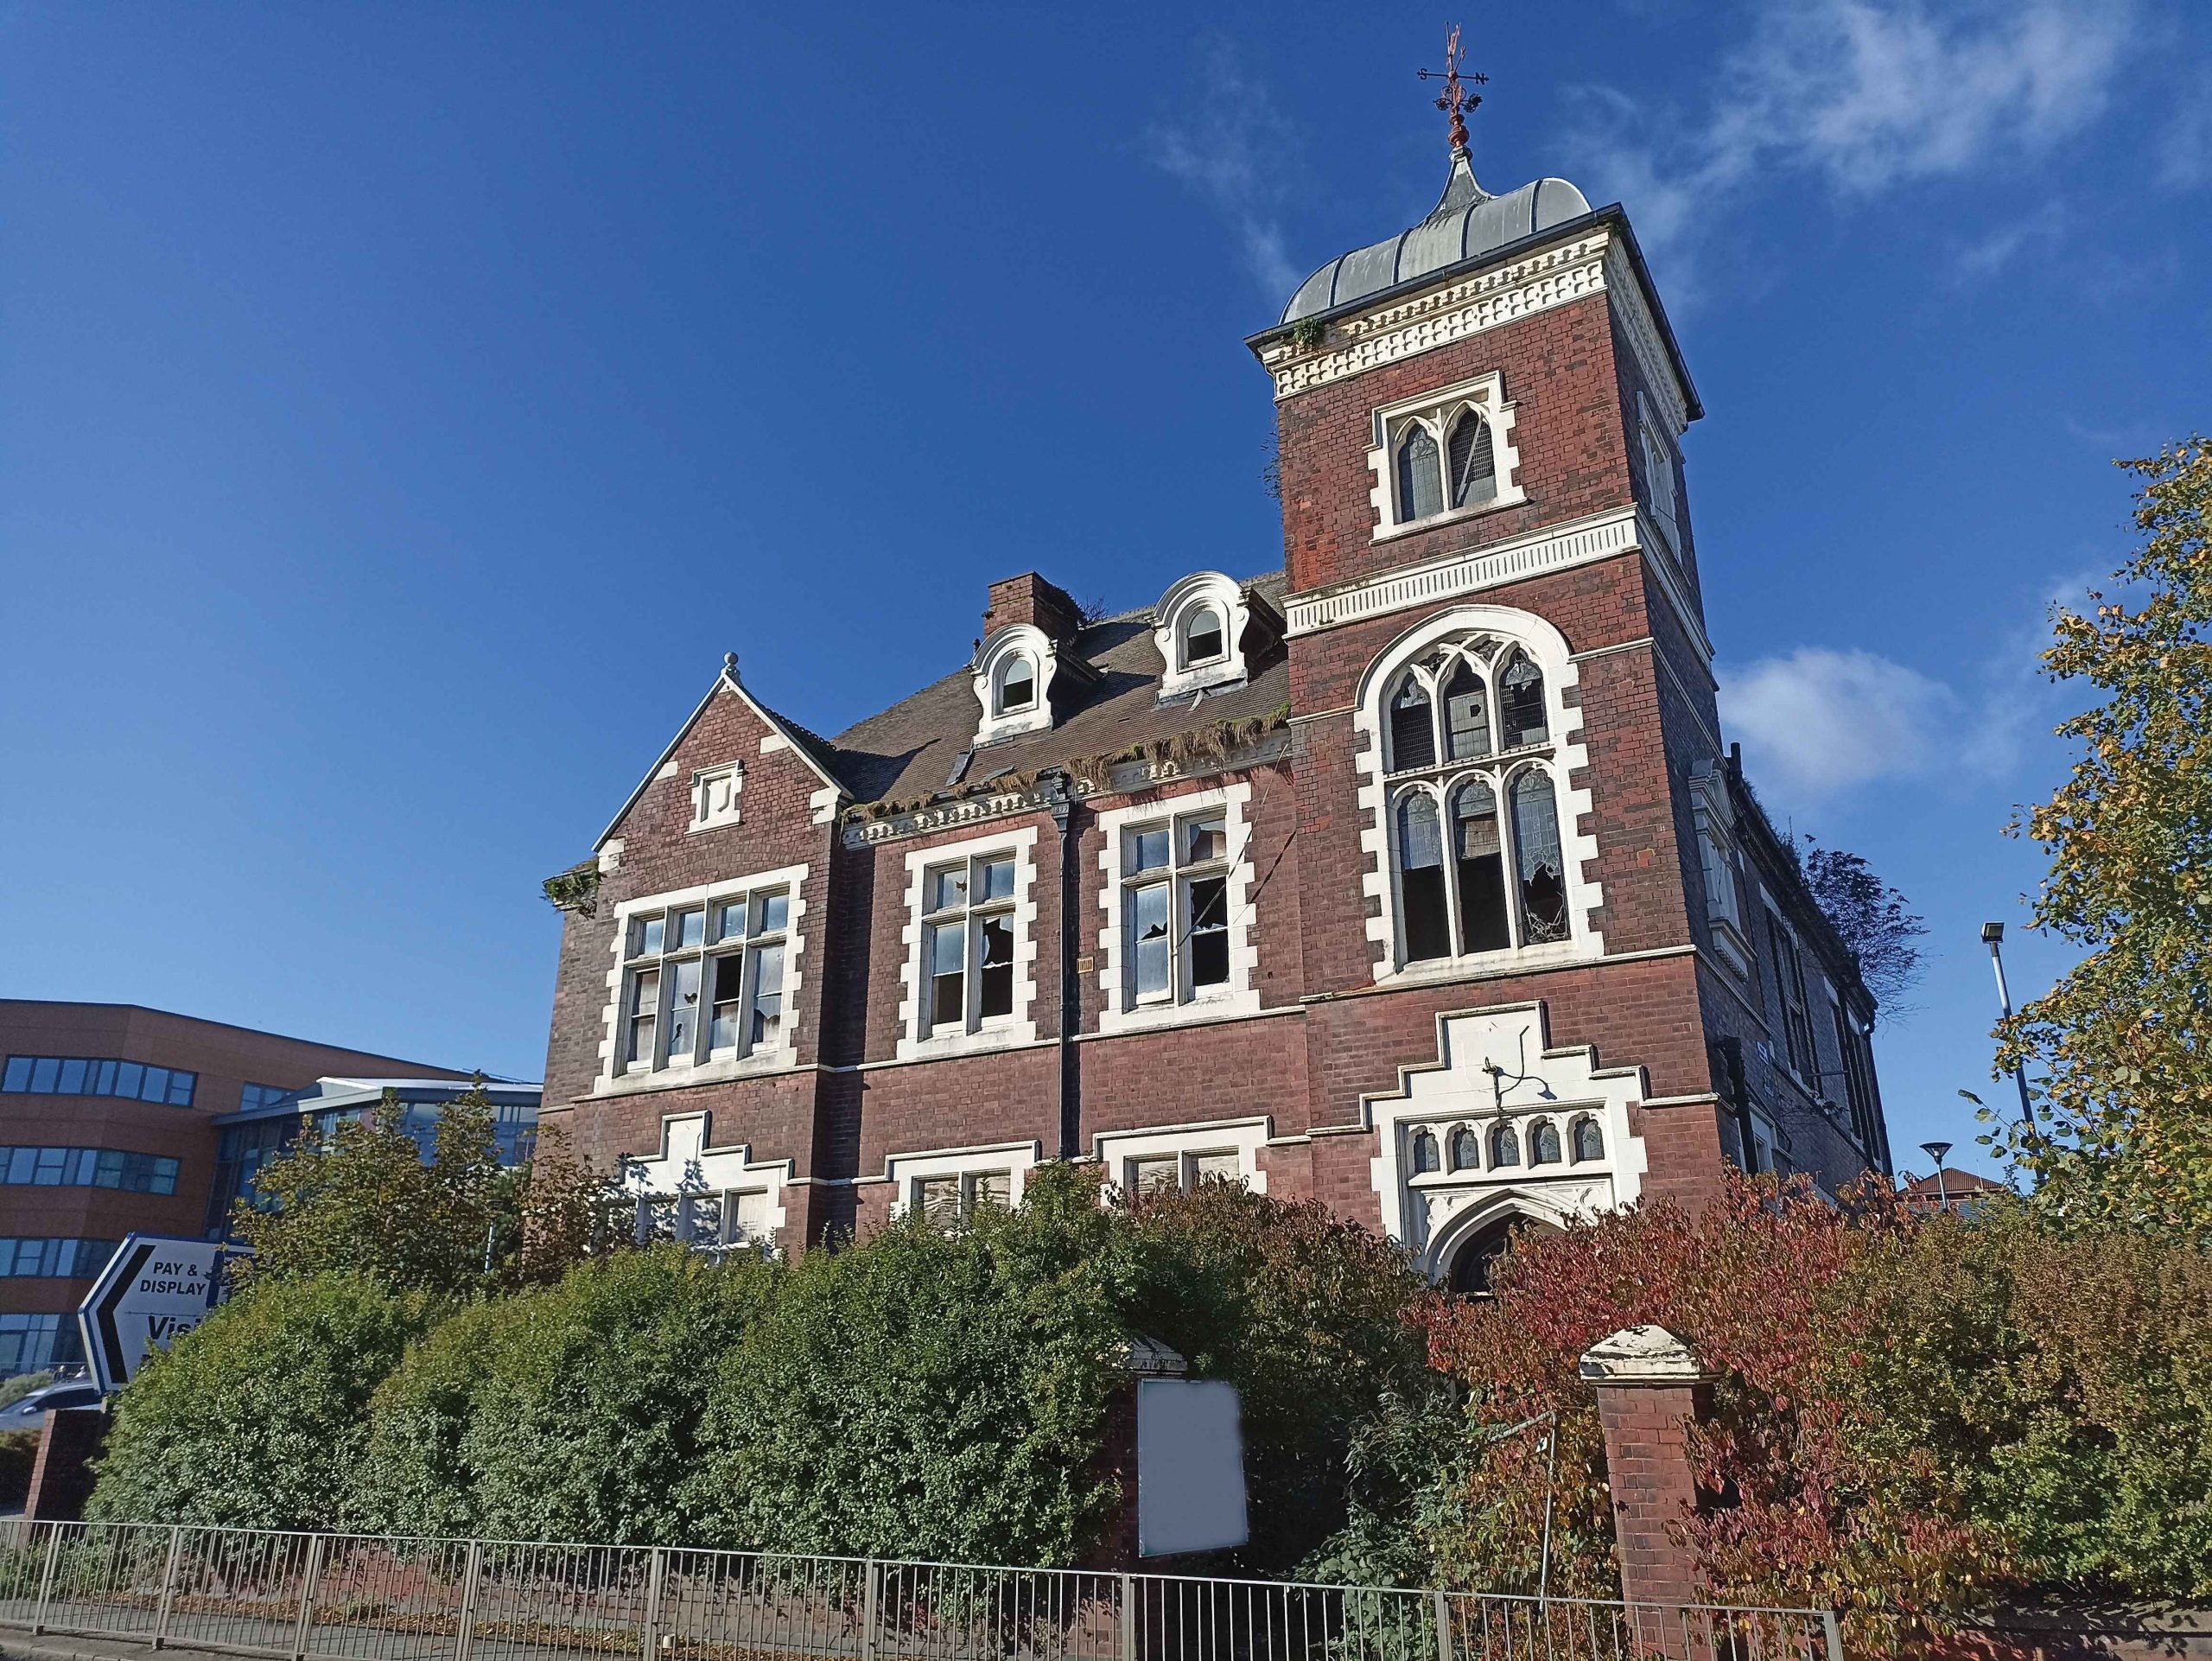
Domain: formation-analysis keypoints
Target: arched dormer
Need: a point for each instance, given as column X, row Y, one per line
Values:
column 1205, row 629
column 1013, row 680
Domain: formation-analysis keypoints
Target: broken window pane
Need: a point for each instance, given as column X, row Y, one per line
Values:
column 995, row 990
column 1420, row 878
column 1148, row 912
column 1412, row 735
column 1521, row 695
column 1209, row 901
column 1542, row 872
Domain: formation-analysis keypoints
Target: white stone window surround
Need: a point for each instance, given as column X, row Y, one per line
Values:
column 999, row 1031
column 1716, row 830
column 614, row 1079
column 693, row 1174
column 908, row 1171
column 1562, row 756
column 1017, row 643
column 1660, row 493
column 1171, row 620
column 1438, row 412
column 1120, row 1012
column 1434, row 1214
column 1118, row 1150
column 715, row 796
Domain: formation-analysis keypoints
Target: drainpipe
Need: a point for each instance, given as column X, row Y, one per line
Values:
column 1739, row 1097
column 1062, row 800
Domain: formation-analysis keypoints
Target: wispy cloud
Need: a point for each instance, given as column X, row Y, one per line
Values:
column 1862, row 95
column 1817, row 723
column 1228, row 150
column 1989, row 255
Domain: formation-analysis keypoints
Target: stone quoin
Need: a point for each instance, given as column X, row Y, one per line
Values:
column 1414, row 877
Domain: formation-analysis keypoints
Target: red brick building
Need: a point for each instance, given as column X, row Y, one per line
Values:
column 1416, row 876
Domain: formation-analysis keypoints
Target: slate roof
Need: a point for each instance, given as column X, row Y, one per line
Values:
column 908, row 751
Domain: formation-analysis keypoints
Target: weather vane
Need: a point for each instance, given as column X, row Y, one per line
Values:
column 1457, row 100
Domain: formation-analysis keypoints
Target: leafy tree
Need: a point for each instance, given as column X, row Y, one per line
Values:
column 362, row 1199
column 2124, row 1041
column 253, row 1417
column 569, row 1412
column 928, row 1393
column 1872, row 917
column 2062, row 1381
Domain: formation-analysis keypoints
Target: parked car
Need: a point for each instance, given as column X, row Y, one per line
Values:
column 28, row 1412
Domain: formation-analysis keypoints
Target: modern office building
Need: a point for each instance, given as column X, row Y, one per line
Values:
column 108, row 1118
column 256, row 1133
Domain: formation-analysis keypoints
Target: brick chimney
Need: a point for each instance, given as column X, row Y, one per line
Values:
column 1030, row 599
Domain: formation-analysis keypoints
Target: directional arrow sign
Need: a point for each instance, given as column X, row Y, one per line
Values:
column 156, row 1289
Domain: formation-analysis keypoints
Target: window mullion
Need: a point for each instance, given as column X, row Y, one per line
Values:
column 1508, row 859
column 1450, row 851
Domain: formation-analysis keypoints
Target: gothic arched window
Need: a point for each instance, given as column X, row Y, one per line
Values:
column 1543, row 1144
column 1540, row 867
column 1466, row 713
column 1421, row 485
column 1471, row 1266
column 1466, row 1150
column 1504, row 1147
column 1412, row 731
column 1478, row 850
column 1474, row 465
column 1520, row 703
column 1425, row 1158
column 1589, row 1140
column 1420, row 878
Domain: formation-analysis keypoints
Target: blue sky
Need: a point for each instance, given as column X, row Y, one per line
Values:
column 402, row 408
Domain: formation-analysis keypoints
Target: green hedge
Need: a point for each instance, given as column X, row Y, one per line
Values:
column 256, row 1417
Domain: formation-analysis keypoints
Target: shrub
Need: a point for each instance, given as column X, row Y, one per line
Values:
column 569, row 1413
column 927, row 1394
column 2064, row 1382
column 1307, row 1315
column 18, row 1456
column 254, row 1417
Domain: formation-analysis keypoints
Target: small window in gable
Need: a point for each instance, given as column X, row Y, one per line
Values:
column 714, row 796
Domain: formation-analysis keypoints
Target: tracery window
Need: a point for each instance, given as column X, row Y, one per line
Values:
column 1446, row 460
column 1474, row 805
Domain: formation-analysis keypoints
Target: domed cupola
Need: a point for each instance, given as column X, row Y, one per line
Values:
column 1466, row 224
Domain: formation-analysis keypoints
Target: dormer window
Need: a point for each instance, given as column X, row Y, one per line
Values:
column 1208, row 631
column 1017, row 686
column 1014, row 676
column 1442, row 455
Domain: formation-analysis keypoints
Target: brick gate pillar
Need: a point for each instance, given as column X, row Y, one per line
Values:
column 61, row 1479
column 1647, row 1386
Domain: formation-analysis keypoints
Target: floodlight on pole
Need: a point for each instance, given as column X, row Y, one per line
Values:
column 1992, row 936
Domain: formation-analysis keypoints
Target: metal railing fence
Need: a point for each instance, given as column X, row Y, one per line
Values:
column 295, row 1596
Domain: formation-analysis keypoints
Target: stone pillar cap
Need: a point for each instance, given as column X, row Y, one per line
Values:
column 1642, row 1355
column 1147, row 1358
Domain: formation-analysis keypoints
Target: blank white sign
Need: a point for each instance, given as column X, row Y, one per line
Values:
column 1189, row 1468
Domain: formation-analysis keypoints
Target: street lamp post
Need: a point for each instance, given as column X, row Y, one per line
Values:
column 1992, row 936
column 1937, row 1151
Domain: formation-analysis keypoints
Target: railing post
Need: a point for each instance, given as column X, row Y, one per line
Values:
column 1129, row 1618
column 469, row 1580
column 1443, row 1625
column 169, row 1586
column 1834, row 1634
column 871, row 1612
column 310, row 1583
column 656, row 1584
column 46, row 1580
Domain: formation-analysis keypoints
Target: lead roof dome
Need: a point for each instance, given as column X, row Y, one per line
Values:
column 1466, row 223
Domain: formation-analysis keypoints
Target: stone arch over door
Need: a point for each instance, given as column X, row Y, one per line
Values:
column 1461, row 1257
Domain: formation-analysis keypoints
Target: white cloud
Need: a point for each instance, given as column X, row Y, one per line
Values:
column 1989, row 255
column 1229, row 151
column 1818, row 722
column 1864, row 95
